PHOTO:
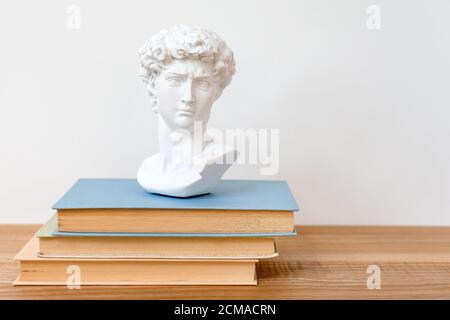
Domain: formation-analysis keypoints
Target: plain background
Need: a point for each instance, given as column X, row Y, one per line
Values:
column 363, row 114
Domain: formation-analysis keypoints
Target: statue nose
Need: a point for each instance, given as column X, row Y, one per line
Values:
column 188, row 97
column 187, row 100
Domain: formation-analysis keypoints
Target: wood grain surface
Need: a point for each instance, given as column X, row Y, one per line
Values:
column 322, row 263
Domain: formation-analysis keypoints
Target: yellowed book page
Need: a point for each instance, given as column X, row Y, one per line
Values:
column 41, row 271
column 174, row 221
column 158, row 247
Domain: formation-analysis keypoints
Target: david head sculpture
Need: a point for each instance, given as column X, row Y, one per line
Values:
column 185, row 70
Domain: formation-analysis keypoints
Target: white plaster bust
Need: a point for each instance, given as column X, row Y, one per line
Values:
column 185, row 70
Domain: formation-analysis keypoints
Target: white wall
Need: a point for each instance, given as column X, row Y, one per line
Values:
column 363, row 114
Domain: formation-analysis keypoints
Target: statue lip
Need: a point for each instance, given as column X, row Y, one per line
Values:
column 185, row 113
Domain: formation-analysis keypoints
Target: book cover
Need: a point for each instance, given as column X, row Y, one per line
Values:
column 229, row 195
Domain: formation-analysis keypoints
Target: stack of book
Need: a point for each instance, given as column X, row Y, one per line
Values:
column 112, row 232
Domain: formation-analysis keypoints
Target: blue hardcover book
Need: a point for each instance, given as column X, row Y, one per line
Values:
column 122, row 206
column 228, row 195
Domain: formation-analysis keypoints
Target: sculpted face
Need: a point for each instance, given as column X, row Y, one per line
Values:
column 186, row 91
column 182, row 90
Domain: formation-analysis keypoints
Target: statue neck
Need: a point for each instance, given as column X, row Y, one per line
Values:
column 170, row 139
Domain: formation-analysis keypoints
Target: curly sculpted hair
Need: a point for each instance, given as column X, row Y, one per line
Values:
column 183, row 42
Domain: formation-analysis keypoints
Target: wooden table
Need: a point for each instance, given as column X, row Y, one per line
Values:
column 322, row 263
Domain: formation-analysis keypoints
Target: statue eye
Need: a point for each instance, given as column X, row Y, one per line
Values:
column 175, row 81
column 203, row 84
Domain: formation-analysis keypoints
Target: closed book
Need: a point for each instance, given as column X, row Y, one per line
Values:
column 36, row 270
column 150, row 245
column 121, row 205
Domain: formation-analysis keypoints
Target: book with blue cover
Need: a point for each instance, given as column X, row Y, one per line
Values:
column 121, row 205
column 228, row 195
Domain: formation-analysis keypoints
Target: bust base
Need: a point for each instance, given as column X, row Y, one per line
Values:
column 194, row 180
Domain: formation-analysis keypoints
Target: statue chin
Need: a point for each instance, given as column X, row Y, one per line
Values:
column 184, row 180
